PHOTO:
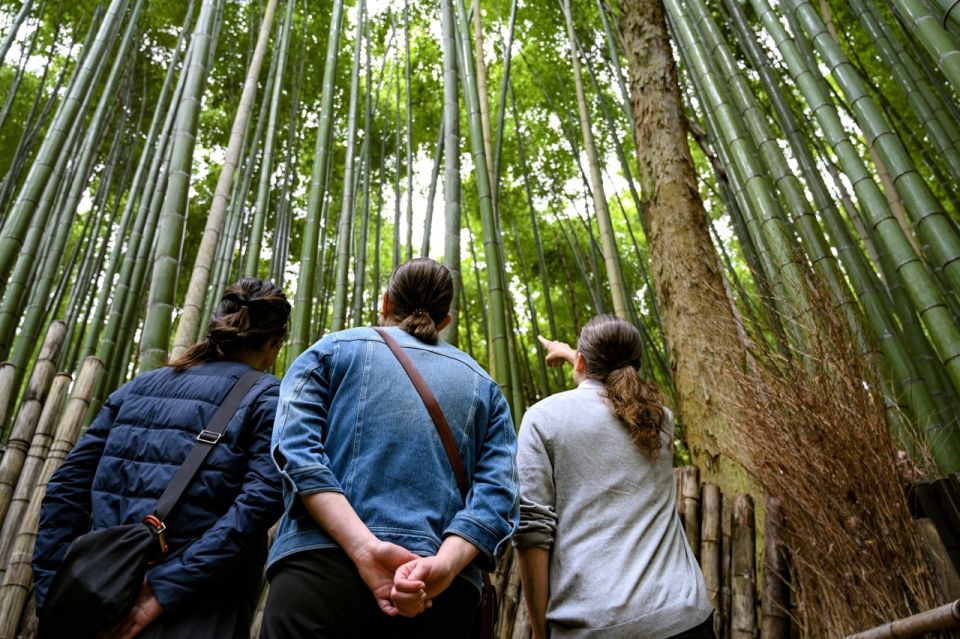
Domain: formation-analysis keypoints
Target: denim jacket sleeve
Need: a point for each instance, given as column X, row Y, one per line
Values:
column 491, row 513
column 184, row 577
column 65, row 512
column 298, row 436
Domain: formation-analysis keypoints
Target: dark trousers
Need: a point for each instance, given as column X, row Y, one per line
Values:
column 703, row 631
column 318, row 594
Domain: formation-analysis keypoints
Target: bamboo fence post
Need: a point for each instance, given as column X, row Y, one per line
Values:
column 499, row 576
column 726, row 584
column 510, row 601
column 939, row 558
column 676, row 487
column 33, row 463
column 710, row 540
column 690, row 504
column 775, row 621
column 8, row 377
column 29, row 413
column 743, row 614
column 19, row 576
column 943, row 618
column 521, row 626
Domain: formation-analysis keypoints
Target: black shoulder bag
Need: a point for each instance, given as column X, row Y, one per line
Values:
column 103, row 571
column 489, row 605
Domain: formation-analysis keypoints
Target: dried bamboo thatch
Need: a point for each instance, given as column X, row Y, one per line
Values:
column 819, row 441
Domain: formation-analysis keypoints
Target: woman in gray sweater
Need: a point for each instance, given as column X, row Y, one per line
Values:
column 602, row 552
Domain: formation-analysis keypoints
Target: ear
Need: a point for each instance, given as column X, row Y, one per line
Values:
column 444, row 322
column 579, row 363
column 386, row 306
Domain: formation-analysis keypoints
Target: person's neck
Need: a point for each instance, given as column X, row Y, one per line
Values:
column 253, row 359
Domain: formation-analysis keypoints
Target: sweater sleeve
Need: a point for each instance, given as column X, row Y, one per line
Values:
column 65, row 512
column 186, row 576
column 538, row 515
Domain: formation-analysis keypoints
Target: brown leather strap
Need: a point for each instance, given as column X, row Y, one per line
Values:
column 430, row 401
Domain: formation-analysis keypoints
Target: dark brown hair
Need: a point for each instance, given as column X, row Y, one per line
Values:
column 421, row 291
column 251, row 313
column 613, row 348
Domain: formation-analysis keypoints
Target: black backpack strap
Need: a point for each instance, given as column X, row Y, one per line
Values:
column 206, row 440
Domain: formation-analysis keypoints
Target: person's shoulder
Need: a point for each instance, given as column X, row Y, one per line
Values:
column 557, row 402
column 464, row 358
column 364, row 333
column 543, row 415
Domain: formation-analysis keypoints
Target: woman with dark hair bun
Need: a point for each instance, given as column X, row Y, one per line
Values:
column 376, row 540
column 600, row 546
column 207, row 584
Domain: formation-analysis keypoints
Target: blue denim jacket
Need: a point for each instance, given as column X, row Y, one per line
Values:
column 351, row 421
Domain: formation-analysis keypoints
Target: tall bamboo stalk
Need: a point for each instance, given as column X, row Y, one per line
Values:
column 166, row 261
column 22, row 432
column 19, row 576
column 14, row 230
column 451, row 160
column 304, row 299
column 190, row 318
column 33, row 464
column 495, row 282
column 345, row 224
column 608, row 242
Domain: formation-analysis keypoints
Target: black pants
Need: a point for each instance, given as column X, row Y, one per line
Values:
column 703, row 631
column 318, row 594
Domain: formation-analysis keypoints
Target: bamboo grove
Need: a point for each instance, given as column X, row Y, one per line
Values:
column 156, row 152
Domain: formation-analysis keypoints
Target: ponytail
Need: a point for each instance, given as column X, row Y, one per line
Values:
column 613, row 350
column 420, row 292
column 250, row 313
column 637, row 403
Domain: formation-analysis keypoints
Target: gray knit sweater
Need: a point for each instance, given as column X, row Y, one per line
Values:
column 620, row 565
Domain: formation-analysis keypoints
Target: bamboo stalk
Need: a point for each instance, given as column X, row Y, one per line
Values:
column 776, row 590
column 690, row 506
column 8, row 378
column 743, row 568
column 943, row 618
column 33, row 464
column 300, row 336
column 710, row 543
column 19, row 576
column 23, row 429
column 200, row 276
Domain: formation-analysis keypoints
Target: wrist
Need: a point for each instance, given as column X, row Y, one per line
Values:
column 456, row 553
column 359, row 547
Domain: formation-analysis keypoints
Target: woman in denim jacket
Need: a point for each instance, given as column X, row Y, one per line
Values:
column 375, row 529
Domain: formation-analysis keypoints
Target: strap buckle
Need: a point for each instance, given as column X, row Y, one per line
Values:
column 209, row 437
column 159, row 528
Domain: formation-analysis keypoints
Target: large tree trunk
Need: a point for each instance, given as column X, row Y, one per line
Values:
column 699, row 323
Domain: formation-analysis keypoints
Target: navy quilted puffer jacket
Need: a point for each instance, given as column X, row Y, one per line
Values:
column 117, row 471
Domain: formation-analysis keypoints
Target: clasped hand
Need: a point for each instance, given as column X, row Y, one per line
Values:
column 402, row 583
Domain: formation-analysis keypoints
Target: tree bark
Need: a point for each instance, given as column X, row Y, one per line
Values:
column 700, row 327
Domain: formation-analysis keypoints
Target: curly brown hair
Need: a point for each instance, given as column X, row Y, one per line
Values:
column 250, row 314
column 613, row 349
